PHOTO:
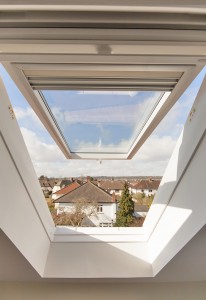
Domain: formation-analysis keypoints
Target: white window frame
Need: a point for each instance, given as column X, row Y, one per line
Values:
column 34, row 98
column 157, row 241
column 148, row 243
column 100, row 209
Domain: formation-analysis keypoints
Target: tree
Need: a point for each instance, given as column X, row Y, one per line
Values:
column 138, row 198
column 125, row 211
column 150, row 200
column 43, row 177
column 75, row 217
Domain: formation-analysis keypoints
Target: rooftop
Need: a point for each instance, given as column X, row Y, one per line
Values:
column 112, row 185
column 146, row 184
column 88, row 192
column 68, row 188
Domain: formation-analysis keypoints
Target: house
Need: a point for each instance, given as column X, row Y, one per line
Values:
column 60, row 184
column 67, row 189
column 123, row 45
column 147, row 186
column 112, row 186
column 45, row 185
column 99, row 206
column 140, row 210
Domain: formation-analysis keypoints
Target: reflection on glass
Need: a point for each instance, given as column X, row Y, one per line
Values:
column 101, row 121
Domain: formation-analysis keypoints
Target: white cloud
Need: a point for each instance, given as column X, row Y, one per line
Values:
column 127, row 93
column 156, row 148
column 174, row 121
column 48, row 159
column 27, row 118
column 151, row 159
column 122, row 146
column 22, row 113
column 39, row 150
column 124, row 114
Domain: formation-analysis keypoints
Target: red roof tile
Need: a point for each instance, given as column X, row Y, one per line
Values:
column 68, row 188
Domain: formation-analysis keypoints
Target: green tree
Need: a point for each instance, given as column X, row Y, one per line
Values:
column 125, row 211
column 42, row 177
column 150, row 200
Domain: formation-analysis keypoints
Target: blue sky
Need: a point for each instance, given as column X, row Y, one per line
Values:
column 99, row 120
column 151, row 159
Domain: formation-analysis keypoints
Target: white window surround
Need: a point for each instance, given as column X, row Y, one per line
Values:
column 173, row 219
column 123, row 239
column 100, row 209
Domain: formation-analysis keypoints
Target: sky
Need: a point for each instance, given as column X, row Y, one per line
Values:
column 95, row 120
column 150, row 160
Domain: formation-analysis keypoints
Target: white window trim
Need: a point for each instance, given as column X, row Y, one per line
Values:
column 136, row 241
column 118, row 234
column 37, row 243
column 34, row 98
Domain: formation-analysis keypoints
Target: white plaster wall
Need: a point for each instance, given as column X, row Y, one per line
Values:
column 114, row 208
column 151, row 193
column 102, row 291
column 46, row 188
column 187, row 207
column 140, row 214
column 55, row 196
column 135, row 191
column 55, row 189
column 182, row 182
column 97, row 260
column 147, row 193
column 70, row 207
column 108, row 209
column 117, row 192
column 24, row 215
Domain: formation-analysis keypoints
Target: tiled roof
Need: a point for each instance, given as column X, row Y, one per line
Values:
column 68, row 188
column 112, row 185
column 147, row 184
column 44, row 183
column 141, row 208
column 87, row 192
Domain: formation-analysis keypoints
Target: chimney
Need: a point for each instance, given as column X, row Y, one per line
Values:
column 88, row 178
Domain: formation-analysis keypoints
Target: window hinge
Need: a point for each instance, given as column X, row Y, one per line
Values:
column 11, row 112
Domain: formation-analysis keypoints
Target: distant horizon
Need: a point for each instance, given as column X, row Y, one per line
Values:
column 102, row 176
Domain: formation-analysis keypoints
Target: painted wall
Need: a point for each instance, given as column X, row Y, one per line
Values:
column 146, row 191
column 55, row 189
column 55, row 196
column 24, row 215
column 117, row 192
column 102, row 291
column 109, row 209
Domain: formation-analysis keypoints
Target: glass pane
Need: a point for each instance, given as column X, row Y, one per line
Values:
column 101, row 121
